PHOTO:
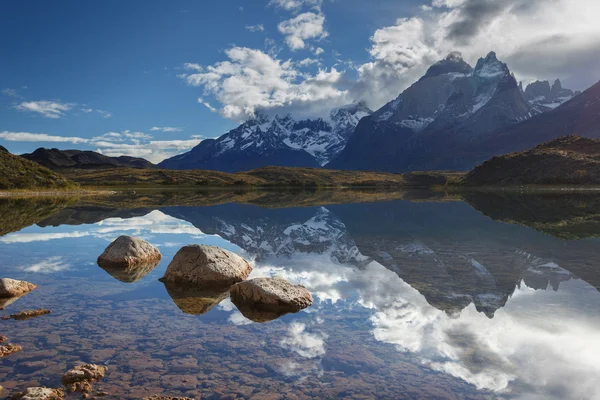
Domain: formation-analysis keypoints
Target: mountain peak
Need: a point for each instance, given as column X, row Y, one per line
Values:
column 453, row 63
column 490, row 67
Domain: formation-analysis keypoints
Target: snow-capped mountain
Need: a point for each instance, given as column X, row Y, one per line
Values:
column 275, row 140
column 451, row 105
column 274, row 233
column 541, row 95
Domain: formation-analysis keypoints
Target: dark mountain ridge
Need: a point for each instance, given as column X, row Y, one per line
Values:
column 444, row 120
column 57, row 159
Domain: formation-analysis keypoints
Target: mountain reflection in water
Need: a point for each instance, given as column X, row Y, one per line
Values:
column 412, row 299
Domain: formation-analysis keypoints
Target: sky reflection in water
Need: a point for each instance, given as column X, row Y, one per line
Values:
column 410, row 300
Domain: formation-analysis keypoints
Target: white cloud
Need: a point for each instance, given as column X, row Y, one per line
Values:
column 165, row 129
column 308, row 345
column 48, row 266
column 12, row 93
column 538, row 39
column 39, row 237
column 39, row 137
column 114, row 144
column 291, row 5
column 104, row 114
column 48, row 109
column 255, row 28
column 252, row 80
column 306, row 26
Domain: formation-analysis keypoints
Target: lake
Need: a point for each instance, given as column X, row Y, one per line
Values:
column 417, row 296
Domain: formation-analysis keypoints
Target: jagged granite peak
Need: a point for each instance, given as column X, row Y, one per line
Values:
column 545, row 97
column 274, row 140
column 442, row 110
column 453, row 63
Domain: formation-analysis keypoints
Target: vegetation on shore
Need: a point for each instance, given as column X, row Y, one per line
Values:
column 19, row 173
column 569, row 160
column 268, row 177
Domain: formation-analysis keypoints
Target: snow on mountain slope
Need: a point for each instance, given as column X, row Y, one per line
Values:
column 276, row 140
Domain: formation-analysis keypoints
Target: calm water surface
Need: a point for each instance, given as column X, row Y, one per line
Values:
column 413, row 299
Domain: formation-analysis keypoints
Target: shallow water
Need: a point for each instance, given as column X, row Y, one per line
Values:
column 413, row 299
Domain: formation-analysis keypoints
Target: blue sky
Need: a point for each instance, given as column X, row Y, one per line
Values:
column 101, row 75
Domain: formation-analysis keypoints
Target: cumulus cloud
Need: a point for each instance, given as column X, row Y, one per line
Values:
column 306, row 344
column 538, row 39
column 48, row 109
column 306, row 26
column 251, row 80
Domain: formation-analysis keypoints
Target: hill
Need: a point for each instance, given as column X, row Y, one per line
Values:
column 570, row 160
column 19, row 173
column 58, row 159
column 262, row 177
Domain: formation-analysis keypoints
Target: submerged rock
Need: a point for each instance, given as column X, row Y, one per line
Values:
column 167, row 398
column 196, row 300
column 7, row 302
column 13, row 288
column 264, row 299
column 23, row 315
column 3, row 339
column 40, row 393
column 204, row 265
column 80, row 378
column 9, row 349
column 126, row 252
column 129, row 274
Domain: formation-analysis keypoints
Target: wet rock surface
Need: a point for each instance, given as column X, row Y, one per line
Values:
column 271, row 296
column 204, row 265
column 9, row 349
column 196, row 300
column 40, row 393
column 10, row 288
column 127, row 252
column 167, row 398
column 24, row 315
column 81, row 378
column 131, row 273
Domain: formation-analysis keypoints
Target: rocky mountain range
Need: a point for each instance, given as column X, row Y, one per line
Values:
column 544, row 97
column 451, row 108
column 274, row 140
column 443, row 121
column 57, row 159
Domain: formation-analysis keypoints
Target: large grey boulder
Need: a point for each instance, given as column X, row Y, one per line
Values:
column 264, row 299
column 202, row 265
column 127, row 252
column 13, row 288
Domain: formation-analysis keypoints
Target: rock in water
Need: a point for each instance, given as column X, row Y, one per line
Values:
column 196, row 300
column 40, row 393
column 264, row 299
column 202, row 265
column 13, row 288
column 167, row 398
column 127, row 252
column 80, row 378
column 9, row 349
